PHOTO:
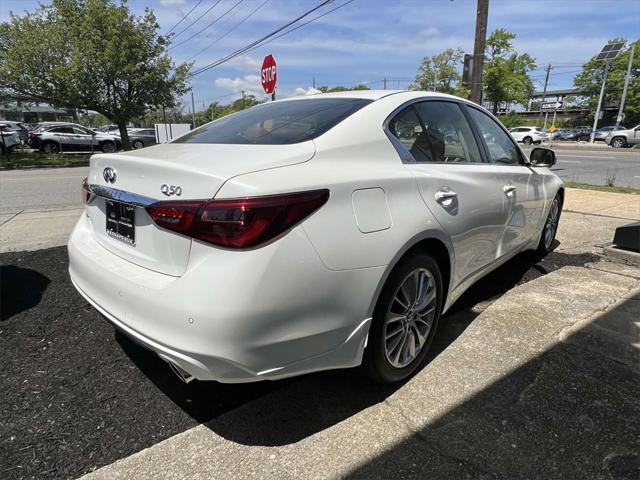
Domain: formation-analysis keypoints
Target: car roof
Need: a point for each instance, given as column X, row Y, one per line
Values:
column 373, row 95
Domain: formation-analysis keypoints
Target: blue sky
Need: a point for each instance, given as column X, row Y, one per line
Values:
column 368, row 40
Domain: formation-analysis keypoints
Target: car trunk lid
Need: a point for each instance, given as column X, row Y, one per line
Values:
column 182, row 172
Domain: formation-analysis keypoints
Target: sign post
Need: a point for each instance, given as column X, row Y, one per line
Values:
column 269, row 75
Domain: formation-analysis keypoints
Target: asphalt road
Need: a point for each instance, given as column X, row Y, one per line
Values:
column 47, row 189
column 595, row 168
column 40, row 189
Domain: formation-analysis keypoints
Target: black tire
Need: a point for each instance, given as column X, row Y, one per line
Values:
column 546, row 241
column 50, row 148
column 376, row 363
column 137, row 144
column 618, row 142
column 527, row 140
column 108, row 147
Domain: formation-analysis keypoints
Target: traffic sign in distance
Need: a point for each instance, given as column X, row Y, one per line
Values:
column 269, row 74
column 551, row 105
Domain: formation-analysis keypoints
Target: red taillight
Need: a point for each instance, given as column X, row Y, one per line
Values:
column 237, row 222
column 86, row 193
column 34, row 135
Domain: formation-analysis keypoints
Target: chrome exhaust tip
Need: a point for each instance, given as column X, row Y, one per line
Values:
column 182, row 374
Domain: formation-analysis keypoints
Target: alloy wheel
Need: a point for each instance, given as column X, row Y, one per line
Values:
column 617, row 143
column 410, row 317
column 552, row 223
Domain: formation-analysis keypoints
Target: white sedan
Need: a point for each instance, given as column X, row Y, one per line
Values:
column 310, row 233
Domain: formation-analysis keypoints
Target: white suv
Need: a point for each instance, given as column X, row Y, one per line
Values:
column 527, row 135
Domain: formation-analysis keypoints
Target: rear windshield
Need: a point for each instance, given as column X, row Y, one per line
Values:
column 277, row 123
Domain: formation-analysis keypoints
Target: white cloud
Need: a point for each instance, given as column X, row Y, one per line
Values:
column 305, row 91
column 172, row 3
column 249, row 83
column 245, row 63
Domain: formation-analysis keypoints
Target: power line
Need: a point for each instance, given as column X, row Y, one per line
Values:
column 260, row 40
column 183, row 18
column 229, row 31
column 197, row 19
column 301, row 25
column 209, row 25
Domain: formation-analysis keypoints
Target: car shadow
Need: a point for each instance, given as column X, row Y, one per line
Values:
column 20, row 289
column 275, row 413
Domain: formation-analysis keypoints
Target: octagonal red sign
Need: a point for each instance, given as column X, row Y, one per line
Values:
column 268, row 74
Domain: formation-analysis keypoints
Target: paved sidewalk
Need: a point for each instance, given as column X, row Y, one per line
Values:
column 593, row 202
column 35, row 229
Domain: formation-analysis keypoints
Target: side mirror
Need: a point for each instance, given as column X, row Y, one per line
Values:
column 542, row 157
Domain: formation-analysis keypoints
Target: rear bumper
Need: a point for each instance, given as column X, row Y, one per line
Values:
column 267, row 313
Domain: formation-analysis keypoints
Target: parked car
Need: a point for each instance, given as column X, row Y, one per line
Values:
column 309, row 233
column 20, row 129
column 527, row 135
column 9, row 139
column 624, row 138
column 601, row 133
column 565, row 134
column 113, row 129
column 142, row 137
column 71, row 137
column 583, row 132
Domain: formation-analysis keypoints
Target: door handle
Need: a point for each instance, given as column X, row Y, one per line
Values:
column 509, row 190
column 444, row 194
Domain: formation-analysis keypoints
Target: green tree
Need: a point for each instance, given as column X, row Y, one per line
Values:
column 589, row 81
column 340, row 88
column 440, row 72
column 91, row 54
column 506, row 72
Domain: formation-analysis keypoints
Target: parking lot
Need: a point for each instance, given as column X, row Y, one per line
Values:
column 500, row 386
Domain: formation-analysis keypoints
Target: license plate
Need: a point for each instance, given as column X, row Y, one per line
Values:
column 121, row 221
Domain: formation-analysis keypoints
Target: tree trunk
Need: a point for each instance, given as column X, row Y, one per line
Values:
column 494, row 109
column 124, row 135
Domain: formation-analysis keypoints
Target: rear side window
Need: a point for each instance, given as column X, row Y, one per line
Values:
column 436, row 132
column 61, row 130
column 277, row 123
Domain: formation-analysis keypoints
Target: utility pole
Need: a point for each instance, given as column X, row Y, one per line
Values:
column 243, row 99
column 626, row 85
column 435, row 81
column 595, row 119
column 314, row 82
column 544, row 90
column 193, row 109
column 478, row 51
column 385, row 83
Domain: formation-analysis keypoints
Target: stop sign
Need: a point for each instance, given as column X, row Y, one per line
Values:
column 268, row 74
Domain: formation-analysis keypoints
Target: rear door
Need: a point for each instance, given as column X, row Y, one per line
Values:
column 522, row 187
column 64, row 136
column 461, row 191
column 83, row 138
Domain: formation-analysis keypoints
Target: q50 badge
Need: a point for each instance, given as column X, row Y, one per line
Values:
column 170, row 190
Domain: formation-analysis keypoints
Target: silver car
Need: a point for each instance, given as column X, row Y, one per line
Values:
column 602, row 133
column 624, row 138
column 72, row 138
column 9, row 138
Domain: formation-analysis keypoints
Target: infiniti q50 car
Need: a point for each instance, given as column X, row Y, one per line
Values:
column 308, row 234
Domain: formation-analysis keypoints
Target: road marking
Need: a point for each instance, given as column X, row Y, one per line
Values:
column 570, row 161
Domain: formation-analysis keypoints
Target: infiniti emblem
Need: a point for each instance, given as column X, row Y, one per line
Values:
column 109, row 175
